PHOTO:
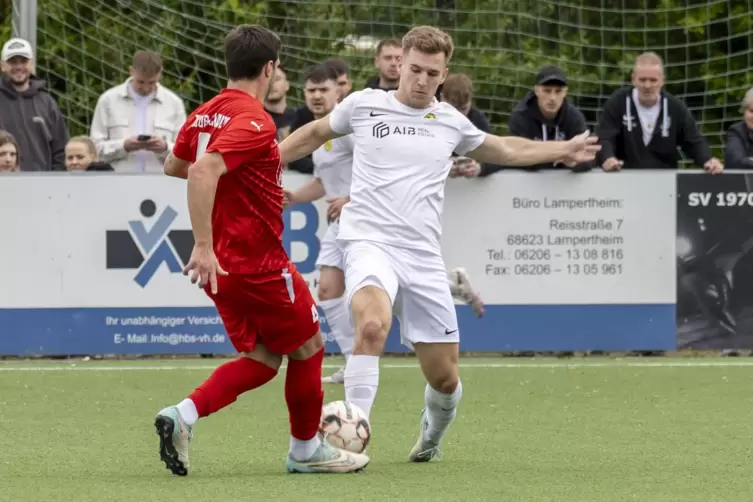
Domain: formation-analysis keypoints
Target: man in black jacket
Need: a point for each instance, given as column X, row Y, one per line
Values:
column 29, row 113
column 642, row 126
column 546, row 115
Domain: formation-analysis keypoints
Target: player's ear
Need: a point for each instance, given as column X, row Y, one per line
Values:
column 269, row 69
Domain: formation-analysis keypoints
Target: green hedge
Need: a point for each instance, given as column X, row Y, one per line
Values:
column 85, row 46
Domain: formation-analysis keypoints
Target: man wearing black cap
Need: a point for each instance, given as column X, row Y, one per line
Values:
column 545, row 114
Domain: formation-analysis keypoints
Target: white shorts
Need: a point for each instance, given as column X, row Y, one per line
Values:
column 416, row 283
column 330, row 252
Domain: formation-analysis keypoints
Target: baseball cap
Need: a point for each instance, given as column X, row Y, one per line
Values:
column 17, row 47
column 551, row 75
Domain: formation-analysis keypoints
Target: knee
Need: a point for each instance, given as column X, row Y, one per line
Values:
column 331, row 284
column 446, row 385
column 329, row 291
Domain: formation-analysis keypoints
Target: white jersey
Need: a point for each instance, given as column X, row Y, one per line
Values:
column 333, row 165
column 401, row 160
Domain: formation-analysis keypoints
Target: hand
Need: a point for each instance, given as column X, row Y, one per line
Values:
column 582, row 148
column 335, row 207
column 469, row 169
column 132, row 144
column 287, row 199
column 156, row 144
column 713, row 166
column 612, row 164
column 205, row 267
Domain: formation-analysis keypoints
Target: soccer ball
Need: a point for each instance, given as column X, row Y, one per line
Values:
column 345, row 426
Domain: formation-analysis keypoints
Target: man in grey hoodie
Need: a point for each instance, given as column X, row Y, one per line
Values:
column 29, row 112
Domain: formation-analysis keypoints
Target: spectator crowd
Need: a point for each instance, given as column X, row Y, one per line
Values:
column 135, row 123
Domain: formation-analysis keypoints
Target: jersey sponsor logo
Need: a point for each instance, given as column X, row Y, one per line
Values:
column 430, row 116
column 372, row 114
column 216, row 120
column 145, row 250
column 382, row 130
column 328, row 146
column 258, row 127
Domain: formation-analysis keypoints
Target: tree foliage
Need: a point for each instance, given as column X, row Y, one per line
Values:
column 85, row 45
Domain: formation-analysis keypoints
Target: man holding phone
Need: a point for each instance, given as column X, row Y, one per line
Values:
column 135, row 123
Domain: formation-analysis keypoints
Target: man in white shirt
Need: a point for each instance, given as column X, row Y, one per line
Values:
column 135, row 123
column 333, row 164
column 390, row 230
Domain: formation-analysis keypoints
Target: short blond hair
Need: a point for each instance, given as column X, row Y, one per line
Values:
column 649, row 59
column 429, row 40
column 457, row 89
column 86, row 141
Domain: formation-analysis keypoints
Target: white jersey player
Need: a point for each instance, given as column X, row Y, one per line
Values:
column 390, row 229
column 333, row 163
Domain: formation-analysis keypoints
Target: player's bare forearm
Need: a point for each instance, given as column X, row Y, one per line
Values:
column 514, row 151
column 309, row 192
column 175, row 167
column 305, row 140
column 202, row 186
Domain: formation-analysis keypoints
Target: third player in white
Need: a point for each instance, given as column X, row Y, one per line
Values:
column 391, row 228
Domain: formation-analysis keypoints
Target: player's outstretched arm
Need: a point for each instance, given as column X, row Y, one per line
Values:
column 175, row 167
column 513, row 151
column 312, row 190
column 305, row 140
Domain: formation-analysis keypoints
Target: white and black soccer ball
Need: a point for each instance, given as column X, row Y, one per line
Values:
column 345, row 426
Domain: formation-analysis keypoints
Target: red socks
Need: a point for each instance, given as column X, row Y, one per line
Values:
column 228, row 382
column 304, row 395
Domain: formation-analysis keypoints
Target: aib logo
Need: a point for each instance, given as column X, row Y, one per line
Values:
column 145, row 249
column 380, row 130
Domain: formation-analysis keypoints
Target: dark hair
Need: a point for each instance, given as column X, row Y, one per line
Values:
column 248, row 48
column 319, row 73
column 390, row 42
column 341, row 67
column 148, row 63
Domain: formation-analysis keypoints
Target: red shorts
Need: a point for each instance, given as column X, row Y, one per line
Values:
column 275, row 308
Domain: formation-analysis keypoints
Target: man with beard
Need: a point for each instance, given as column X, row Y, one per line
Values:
column 29, row 113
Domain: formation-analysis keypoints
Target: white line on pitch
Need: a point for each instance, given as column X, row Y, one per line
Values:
column 86, row 366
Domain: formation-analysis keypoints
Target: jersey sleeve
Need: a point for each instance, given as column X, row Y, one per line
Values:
column 340, row 120
column 471, row 136
column 246, row 139
column 182, row 146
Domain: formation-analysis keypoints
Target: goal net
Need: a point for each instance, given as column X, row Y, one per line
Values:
column 85, row 46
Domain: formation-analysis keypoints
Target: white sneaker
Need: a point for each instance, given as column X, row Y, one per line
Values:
column 328, row 460
column 461, row 288
column 423, row 450
column 174, row 439
column 336, row 377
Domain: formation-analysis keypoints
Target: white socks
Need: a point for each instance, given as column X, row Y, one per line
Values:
column 338, row 319
column 361, row 381
column 441, row 410
column 188, row 412
column 302, row 450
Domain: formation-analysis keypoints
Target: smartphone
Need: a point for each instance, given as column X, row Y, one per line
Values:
column 144, row 137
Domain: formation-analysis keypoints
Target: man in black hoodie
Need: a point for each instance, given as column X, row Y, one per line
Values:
column 546, row 115
column 29, row 113
column 642, row 126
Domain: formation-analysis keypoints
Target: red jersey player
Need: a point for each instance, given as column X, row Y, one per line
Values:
column 227, row 151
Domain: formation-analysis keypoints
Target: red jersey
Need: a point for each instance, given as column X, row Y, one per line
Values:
column 247, row 214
